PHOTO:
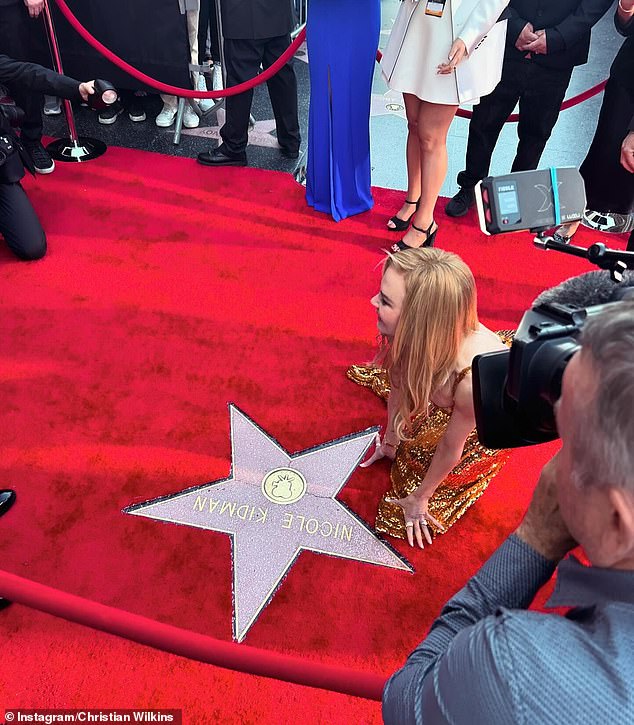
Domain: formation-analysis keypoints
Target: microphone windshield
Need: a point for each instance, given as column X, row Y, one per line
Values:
column 589, row 289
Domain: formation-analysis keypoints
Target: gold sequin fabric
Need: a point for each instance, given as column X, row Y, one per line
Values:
column 460, row 489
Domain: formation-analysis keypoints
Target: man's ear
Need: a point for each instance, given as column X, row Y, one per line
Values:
column 621, row 527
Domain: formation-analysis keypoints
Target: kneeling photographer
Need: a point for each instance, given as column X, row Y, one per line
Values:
column 19, row 224
column 487, row 660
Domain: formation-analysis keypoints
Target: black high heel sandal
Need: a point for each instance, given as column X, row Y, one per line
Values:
column 429, row 238
column 401, row 225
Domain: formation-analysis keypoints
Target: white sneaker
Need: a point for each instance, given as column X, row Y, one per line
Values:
column 166, row 117
column 610, row 222
column 205, row 104
column 52, row 106
column 216, row 77
column 190, row 117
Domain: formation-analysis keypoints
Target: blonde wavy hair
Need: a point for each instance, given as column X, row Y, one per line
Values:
column 439, row 311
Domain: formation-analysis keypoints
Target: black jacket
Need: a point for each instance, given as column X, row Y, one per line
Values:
column 567, row 24
column 14, row 73
column 256, row 19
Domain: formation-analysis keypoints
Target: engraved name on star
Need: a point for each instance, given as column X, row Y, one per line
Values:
column 274, row 505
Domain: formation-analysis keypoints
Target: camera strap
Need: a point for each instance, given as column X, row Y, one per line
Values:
column 555, row 187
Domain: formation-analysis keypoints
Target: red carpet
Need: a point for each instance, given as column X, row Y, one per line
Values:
column 168, row 291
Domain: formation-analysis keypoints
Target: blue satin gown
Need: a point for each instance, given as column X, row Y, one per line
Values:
column 342, row 36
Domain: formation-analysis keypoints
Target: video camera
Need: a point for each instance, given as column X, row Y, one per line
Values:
column 514, row 390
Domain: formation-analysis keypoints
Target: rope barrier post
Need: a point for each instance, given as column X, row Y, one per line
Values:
column 74, row 148
column 221, row 44
column 178, row 123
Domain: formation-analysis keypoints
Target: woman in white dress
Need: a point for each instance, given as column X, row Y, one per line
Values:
column 440, row 53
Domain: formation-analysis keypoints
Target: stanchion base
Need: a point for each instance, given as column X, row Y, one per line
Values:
column 84, row 149
column 299, row 173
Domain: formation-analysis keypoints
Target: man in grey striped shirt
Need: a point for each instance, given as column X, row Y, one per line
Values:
column 487, row 660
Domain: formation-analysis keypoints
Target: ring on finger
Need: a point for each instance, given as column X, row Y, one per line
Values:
column 409, row 525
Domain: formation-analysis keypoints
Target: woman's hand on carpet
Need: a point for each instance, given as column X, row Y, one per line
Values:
column 381, row 450
column 417, row 518
column 457, row 53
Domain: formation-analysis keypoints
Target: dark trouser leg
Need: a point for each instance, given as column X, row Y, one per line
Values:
column 283, row 93
column 243, row 58
column 630, row 242
column 207, row 24
column 19, row 224
column 16, row 28
column 609, row 187
column 488, row 119
column 539, row 111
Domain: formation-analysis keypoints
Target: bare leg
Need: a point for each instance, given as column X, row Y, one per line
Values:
column 433, row 123
column 412, row 105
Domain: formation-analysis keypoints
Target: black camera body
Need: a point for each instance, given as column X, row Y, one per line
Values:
column 11, row 115
column 530, row 200
column 515, row 390
column 11, row 161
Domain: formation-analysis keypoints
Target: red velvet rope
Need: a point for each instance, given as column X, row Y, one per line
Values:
column 514, row 117
column 174, row 90
column 200, row 647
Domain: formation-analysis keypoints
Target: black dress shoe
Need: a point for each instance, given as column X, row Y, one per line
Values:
column 7, row 499
column 217, row 157
column 460, row 204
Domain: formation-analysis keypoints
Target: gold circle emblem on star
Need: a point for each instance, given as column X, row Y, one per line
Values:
column 284, row 485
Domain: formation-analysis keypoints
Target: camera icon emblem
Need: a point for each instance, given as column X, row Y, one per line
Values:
column 284, row 486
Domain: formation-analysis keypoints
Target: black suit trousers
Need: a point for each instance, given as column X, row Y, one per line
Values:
column 19, row 224
column 17, row 31
column 243, row 59
column 540, row 92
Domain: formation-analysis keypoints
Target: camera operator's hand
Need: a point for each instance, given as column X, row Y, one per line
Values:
column 543, row 527
column 34, row 7
column 538, row 45
column 527, row 36
column 627, row 152
column 87, row 89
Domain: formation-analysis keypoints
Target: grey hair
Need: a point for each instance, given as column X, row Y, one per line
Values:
column 603, row 438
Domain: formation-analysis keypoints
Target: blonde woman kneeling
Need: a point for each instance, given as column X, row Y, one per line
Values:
column 428, row 321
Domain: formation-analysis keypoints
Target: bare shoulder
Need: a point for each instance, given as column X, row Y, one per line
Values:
column 480, row 341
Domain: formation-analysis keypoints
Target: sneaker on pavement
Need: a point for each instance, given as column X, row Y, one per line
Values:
column 135, row 111
column 460, row 204
column 190, row 117
column 610, row 221
column 52, row 106
column 166, row 117
column 109, row 115
column 216, row 77
column 205, row 104
column 42, row 160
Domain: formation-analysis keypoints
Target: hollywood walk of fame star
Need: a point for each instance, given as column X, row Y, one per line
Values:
column 274, row 505
column 262, row 133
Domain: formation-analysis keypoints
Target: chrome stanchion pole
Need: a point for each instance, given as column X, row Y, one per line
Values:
column 221, row 44
column 74, row 148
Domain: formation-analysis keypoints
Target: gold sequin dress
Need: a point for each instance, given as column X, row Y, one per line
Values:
column 462, row 487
